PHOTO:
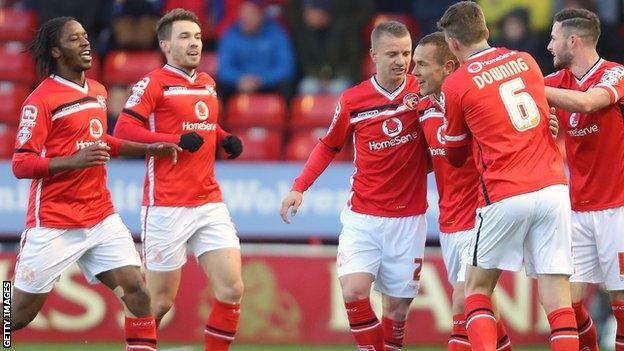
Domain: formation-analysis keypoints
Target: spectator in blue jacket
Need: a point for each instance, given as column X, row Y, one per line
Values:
column 255, row 55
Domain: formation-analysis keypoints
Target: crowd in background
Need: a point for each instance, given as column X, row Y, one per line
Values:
column 298, row 48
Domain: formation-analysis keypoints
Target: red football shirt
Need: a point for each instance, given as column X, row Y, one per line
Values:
column 594, row 141
column 390, row 178
column 58, row 119
column 457, row 187
column 168, row 100
column 496, row 99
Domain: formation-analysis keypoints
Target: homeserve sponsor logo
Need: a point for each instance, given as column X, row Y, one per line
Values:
column 199, row 126
column 583, row 131
column 396, row 141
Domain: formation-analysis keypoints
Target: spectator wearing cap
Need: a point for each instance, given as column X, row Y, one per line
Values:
column 255, row 55
column 324, row 30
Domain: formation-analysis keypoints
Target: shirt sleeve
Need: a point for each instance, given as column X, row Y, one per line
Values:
column 340, row 127
column 457, row 133
column 29, row 159
column 612, row 82
column 145, row 96
column 554, row 79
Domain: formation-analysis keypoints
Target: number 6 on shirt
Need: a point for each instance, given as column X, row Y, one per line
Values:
column 521, row 107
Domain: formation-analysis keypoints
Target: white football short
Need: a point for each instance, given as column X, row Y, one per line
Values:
column 168, row 231
column 46, row 253
column 455, row 254
column 391, row 249
column 533, row 228
column 598, row 247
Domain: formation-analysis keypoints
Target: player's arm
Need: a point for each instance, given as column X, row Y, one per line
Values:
column 132, row 124
column 588, row 101
column 457, row 135
column 321, row 156
column 119, row 147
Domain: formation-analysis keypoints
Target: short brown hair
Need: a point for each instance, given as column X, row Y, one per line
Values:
column 443, row 53
column 465, row 22
column 163, row 28
column 583, row 23
column 394, row 28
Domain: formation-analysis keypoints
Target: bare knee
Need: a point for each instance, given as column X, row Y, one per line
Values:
column 232, row 293
column 21, row 319
column 396, row 308
column 355, row 293
column 136, row 298
column 161, row 305
column 356, row 286
column 458, row 299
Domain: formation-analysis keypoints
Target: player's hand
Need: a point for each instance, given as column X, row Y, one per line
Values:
column 191, row 141
column 233, row 146
column 293, row 199
column 92, row 155
column 164, row 149
column 553, row 122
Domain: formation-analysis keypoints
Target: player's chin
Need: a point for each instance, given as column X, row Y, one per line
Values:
column 85, row 65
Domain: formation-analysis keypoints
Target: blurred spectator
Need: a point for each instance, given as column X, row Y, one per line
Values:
column 514, row 32
column 329, row 59
column 255, row 55
column 133, row 23
column 540, row 13
column 428, row 13
column 86, row 12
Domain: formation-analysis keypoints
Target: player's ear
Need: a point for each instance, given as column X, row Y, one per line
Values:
column 55, row 52
column 165, row 45
column 449, row 67
column 372, row 54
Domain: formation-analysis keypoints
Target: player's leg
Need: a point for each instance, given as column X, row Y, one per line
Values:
column 548, row 248
column 24, row 307
column 498, row 244
column 399, row 273
column 163, row 287
column 113, row 260
column 585, row 258
column 223, row 267
column 357, row 264
column 608, row 226
column 165, row 232
column 217, row 249
column 454, row 247
column 503, row 343
column 34, row 274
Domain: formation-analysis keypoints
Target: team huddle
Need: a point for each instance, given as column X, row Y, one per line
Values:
column 479, row 117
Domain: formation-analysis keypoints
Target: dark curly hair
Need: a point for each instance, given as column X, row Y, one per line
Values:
column 47, row 37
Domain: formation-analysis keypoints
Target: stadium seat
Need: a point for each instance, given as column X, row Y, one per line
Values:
column 209, row 63
column 312, row 111
column 256, row 110
column 11, row 97
column 16, row 65
column 127, row 67
column 7, row 140
column 259, row 144
column 17, row 25
column 301, row 144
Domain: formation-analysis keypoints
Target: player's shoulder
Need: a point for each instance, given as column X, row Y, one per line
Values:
column 43, row 92
column 96, row 86
column 204, row 78
column 356, row 92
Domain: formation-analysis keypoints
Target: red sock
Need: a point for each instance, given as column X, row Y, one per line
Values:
column 563, row 331
column 459, row 338
column 588, row 340
column 618, row 313
column 140, row 334
column 365, row 326
column 393, row 332
column 480, row 322
column 221, row 326
column 503, row 342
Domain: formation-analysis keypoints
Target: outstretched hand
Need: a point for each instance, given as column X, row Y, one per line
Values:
column 164, row 149
column 293, row 199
